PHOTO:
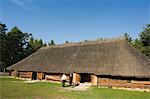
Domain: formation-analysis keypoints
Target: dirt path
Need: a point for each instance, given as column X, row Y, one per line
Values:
column 81, row 87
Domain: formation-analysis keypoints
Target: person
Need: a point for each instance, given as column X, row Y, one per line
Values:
column 63, row 79
column 71, row 78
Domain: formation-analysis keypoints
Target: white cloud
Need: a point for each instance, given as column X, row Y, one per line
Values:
column 28, row 4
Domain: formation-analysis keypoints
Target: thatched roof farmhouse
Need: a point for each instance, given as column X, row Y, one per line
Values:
column 99, row 58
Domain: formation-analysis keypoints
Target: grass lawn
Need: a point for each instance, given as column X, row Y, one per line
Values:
column 11, row 88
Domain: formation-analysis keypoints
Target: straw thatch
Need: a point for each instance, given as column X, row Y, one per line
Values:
column 102, row 57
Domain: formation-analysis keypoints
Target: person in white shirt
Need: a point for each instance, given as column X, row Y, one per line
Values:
column 63, row 79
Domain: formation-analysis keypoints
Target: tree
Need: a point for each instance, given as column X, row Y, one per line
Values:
column 13, row 47
column 3, row 29
column 34, row 45
column 16, row 44
column 67, row 42
column 145, row 40
column 137, row 44
column 51, row 42
column 145, row 36
column 3, row 45
column 127, row 37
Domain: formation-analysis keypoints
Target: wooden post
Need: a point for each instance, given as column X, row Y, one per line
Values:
column 14, row 74
column 40, row 75
column 76, row 78
column 94, row 79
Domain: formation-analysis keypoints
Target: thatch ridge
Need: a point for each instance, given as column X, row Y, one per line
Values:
column 85, row 42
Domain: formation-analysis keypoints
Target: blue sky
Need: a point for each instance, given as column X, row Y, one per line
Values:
column 76, row 20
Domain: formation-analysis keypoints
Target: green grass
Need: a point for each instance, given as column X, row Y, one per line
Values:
column 11, row 88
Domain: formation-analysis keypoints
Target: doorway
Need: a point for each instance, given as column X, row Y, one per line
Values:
column 34, row 75
column 85, row 77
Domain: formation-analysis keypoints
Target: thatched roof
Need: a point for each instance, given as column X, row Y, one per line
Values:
column 102, row 57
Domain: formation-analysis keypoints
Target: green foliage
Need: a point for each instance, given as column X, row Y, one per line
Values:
column 51, row 42
column 3, row 29
column 67, row 42
column 16, row 41
column 137, row 44
column 3, row 45
column 145, row 36
column 34, row 45
column 146, row 50
column 143, row 42
column 15, row 46
column 127, row 37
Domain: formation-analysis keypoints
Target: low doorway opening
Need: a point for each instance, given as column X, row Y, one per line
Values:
column 34, row 75
column 85, row 77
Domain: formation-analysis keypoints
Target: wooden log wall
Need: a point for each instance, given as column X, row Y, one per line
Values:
column 25, row 74
column 53, row 77
column 123, row 83
column 21, row 74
